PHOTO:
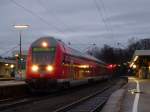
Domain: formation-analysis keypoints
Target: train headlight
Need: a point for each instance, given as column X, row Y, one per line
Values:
column 44, row 44
column 35, row 68
column 49, row 68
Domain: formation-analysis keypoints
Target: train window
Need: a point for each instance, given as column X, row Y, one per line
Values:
column 63, row 61
column 43, row 56
column 66, row 59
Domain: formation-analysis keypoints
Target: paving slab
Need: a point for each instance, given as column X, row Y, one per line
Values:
column 137, row 100
column 114, row 102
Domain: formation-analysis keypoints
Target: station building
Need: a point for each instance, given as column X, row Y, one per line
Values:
column 141, row 63
column 7, row 68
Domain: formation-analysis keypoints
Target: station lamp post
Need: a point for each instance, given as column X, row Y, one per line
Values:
column 20, row 27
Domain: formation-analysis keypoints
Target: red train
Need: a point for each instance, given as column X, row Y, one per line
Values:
column 51, row 63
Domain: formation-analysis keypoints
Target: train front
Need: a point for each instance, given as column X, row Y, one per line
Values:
column 41, row 63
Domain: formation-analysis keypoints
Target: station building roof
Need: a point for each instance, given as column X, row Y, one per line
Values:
column 7, row 61
column 137, row 54
column 142, row 53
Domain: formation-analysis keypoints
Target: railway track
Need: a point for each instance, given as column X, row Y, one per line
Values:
column 91, row 103
column 72, row 100
column 12, row 102
column 87, row 104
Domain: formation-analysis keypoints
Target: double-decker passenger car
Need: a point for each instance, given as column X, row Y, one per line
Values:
column 51, row 63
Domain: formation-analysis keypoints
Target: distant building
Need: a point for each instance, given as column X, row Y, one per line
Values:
column 7, row 68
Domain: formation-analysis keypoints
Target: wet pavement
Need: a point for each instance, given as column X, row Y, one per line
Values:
column 137, row 100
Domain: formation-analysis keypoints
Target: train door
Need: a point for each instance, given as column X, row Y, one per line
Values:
column 68, row 67
column 81, row 70
column 72, row 69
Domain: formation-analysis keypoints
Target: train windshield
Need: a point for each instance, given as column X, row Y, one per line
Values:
column 43, row 56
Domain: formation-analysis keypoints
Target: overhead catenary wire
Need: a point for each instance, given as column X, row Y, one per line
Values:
column 105, row 13
column 9, row 50
column 109, row 30
column 69, row 43
column 90, row 46
column 54, row 16
column 36, row 15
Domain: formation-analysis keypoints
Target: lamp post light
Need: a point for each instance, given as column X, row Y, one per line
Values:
column 20, row 27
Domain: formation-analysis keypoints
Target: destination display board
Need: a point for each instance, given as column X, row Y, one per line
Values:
column 40, row 49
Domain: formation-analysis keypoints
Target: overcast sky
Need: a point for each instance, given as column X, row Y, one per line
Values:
column 81, row 22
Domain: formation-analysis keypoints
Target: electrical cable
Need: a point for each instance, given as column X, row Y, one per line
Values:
column 105, row 12
column 9, row 50
column 103, row 19
column 35, row 15
column 53, row 15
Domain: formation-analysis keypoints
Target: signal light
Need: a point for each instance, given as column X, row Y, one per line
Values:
column 111, row 66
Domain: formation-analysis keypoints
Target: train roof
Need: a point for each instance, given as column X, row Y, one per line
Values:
column 77, row 53
column 53, row 42
column 83, row 55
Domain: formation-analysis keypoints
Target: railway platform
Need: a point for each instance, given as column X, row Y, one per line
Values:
column 12, row 88
column 6, row 79
column 6, row 83
column 133, row 97
column 137, row 96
